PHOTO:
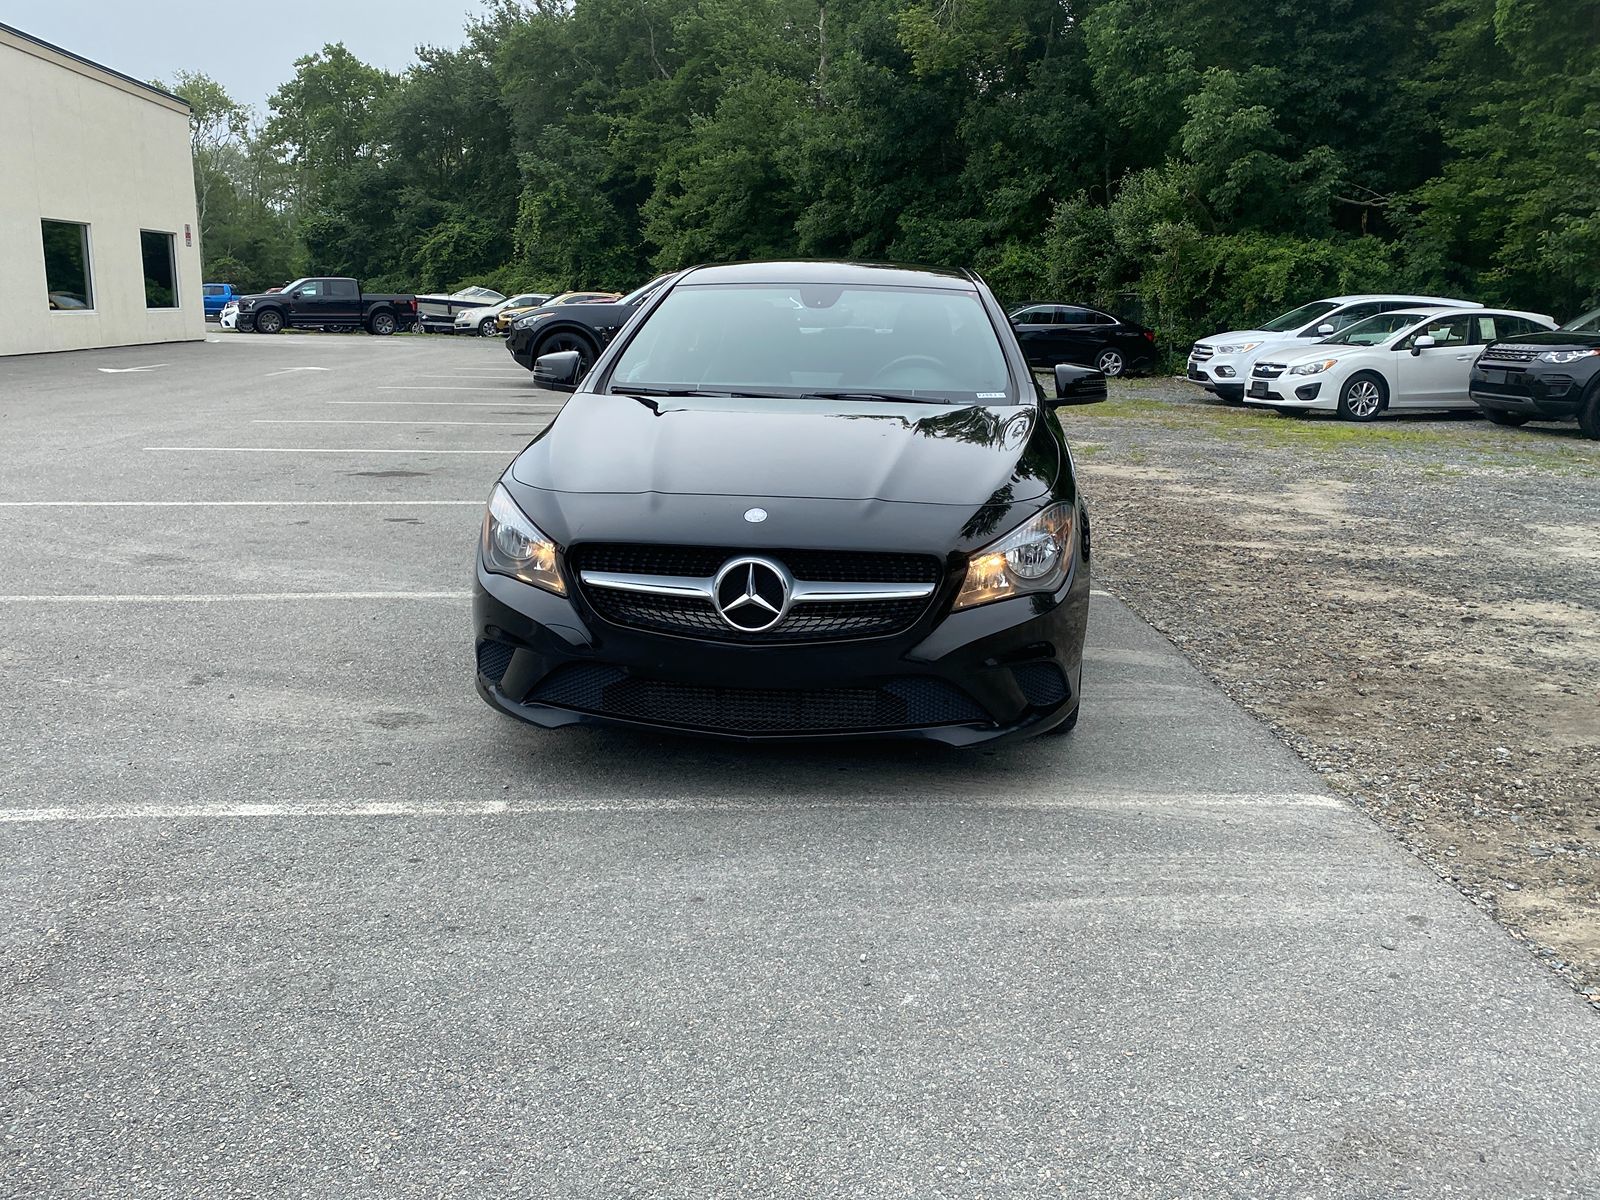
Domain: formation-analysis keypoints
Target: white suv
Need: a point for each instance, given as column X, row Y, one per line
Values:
column 1222, row 363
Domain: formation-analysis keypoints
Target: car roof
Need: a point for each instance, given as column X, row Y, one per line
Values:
column 830, row 272
column 1430, row 301
column 1439, row 310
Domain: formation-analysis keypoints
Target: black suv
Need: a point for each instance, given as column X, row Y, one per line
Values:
column 1058, row 333
column 1543, row 377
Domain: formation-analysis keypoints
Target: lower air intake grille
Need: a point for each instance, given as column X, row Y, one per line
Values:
column 908, row 703
column 1042, row 683
column 493, row 659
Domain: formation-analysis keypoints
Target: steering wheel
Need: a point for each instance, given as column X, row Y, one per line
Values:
column 926, row 360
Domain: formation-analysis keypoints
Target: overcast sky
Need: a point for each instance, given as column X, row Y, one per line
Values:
column 249, row 48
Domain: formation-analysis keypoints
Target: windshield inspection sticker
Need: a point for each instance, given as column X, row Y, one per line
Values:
column 991, row 395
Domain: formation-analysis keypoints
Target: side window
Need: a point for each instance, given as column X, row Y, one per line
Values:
column 160, row 269
column 1073, row 316
column 66, row 265
column 342, row 289
column 1100, row 318
column 213, row 289
column 1036, row 316
column 1445, row 331
column 310, row 291
column 1487, row 328
column 1346, row 317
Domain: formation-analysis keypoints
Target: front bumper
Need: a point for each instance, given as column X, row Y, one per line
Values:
column 1554, row 395
column 1213, row 374
column 1291, row 391
column 1001, row 670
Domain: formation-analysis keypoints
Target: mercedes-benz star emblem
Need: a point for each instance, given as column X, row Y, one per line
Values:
column 755, row 515
column 753, row 594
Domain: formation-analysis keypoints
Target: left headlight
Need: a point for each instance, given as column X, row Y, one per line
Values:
column 513, row 545
column 1313, row 368
column 1034, row 557
column 1565, row 356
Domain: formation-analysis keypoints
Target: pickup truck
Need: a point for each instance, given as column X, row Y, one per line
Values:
column 326, row 302
column 216, row 296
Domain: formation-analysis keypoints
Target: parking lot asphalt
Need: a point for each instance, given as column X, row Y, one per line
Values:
column 290, row 912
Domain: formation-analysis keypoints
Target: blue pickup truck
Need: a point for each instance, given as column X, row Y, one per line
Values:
column 217, row 296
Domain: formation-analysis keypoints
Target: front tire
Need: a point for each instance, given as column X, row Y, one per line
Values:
column 270, row 321
column 1498, row 417
column 382, row 324
column 1589, row 415
column 1110, row 363
column 486, row 327
column 1363, row 397
column 566, row 339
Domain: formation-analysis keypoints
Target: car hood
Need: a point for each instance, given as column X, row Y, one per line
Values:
column 476, row 314
column 1238, row 335
column 1556, row 339
column 894, row 452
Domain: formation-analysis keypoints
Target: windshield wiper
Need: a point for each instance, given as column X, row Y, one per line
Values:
column 625, row 389
column 887, row 397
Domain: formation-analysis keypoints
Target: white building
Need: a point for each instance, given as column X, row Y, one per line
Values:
column 99, row 237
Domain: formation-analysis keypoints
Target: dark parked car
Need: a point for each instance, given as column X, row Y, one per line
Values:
column 325, row 302
column 1056, row 333
column 1543, row 377
column 795, row 500
column 585, row 328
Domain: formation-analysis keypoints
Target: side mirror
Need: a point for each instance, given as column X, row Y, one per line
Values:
column 1326, row 328
column 558, row 371
column 1421, row 344
column 1077, row 385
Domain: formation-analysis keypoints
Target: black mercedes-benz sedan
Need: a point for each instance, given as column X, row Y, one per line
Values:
column 1543, row 377
column 795, row 500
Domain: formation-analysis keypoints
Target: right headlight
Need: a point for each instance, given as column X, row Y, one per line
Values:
column 1238, row 348
column 1034, row 557
column 1565, row 356
column 514, row 546
column 524, row 322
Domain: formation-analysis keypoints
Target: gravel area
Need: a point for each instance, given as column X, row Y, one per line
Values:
column 1414, row 606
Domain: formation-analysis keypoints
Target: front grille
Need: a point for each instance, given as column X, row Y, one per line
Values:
column 1201, row 352
column 694, row 617
column 1268, row 370
column 1516, row 354
column 493, row 659
column 912, row 702
column 1042, row 683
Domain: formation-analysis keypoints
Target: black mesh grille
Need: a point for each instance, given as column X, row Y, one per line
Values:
column 1515, row 354
column 1042, row 683
column 908, row 703
column 493, row 659
column 805, row 622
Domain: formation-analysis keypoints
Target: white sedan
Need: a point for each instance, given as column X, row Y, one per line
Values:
column 1408, row 359
column 229, row 317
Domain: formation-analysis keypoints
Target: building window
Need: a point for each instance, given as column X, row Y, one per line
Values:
column 160, row 270
column 66, row 265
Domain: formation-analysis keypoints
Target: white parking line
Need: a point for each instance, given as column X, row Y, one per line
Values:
column 539, row 405
column 445, row 387
column 232, row 503
column 330, row 421
column 228, row 597
column 306, row 450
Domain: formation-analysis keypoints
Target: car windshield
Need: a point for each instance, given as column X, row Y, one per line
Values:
column 478, row 293
column 1374, row 330
column 851, row 342
column 1588, row 323
column 1301, row 316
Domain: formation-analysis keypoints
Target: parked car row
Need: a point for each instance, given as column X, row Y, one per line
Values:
column 1363, row 356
